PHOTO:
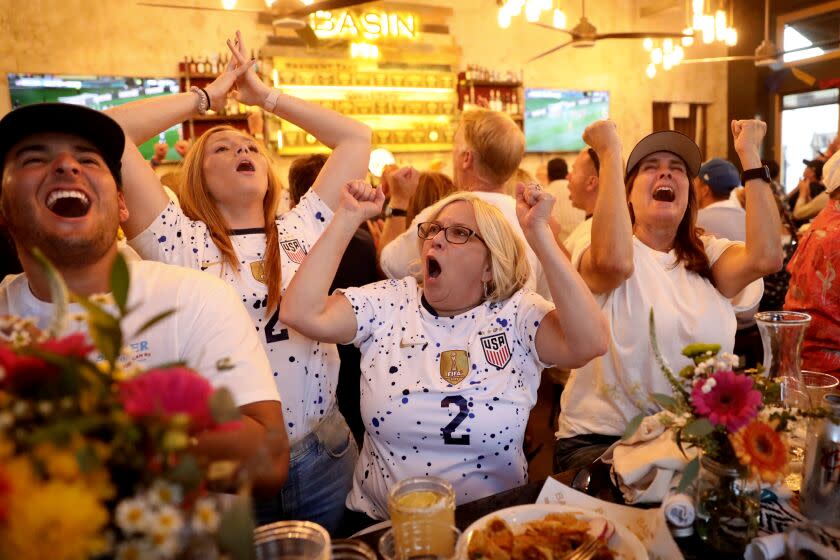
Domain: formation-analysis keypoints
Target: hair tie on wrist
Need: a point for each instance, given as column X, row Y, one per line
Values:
column 203, row 99
column 207, row 96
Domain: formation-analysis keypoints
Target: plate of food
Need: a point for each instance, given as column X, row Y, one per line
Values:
column 547, row 532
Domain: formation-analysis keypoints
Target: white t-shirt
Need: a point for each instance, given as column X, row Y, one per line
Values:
column 566, row 215
column 725, row 218
column 605, row 394
column 306, row 371
column 209, row 325
column 579, row 235
column 401, row 257
column 443, row 396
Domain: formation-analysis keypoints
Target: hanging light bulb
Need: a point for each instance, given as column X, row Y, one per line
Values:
column 667, row 62
column 651, row 70
column 269, row 3
column 656, row 55
column 515, row 7
column 708, row 29
column 668, row 45
column 679, row 54
column 647, row 44
column 532, row 11
column 504, row 18
column 720, row 25
column 559, row 19
column 731, row 36
column 228, row 4
column 698, row 6
column 688, row 38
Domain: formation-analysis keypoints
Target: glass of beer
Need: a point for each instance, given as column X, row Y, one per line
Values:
column 430, row 500
column 420, row 539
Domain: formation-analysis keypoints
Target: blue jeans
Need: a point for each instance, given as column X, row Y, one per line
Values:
column 320, row 477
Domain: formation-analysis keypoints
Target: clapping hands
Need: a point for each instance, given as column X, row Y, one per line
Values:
column 238, row 77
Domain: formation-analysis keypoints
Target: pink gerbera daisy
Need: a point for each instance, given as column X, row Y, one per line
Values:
column 166, row 392
column 726, row 399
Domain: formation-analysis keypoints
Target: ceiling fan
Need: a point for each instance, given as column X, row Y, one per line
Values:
column 766, row 54
column 584, row 34
column 287, row 14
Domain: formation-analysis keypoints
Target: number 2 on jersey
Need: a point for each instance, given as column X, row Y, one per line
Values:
column 270, row 335
column 464, row 411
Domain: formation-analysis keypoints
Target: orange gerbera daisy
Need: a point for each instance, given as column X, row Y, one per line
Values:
column 761, row 448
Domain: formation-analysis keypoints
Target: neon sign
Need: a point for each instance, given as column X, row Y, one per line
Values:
column 369, row 25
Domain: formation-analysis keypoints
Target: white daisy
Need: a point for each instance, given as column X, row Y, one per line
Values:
column 167, row 521
column 138, row 549
column 163, row 493
column 205, row 516
column 133, row 515
column 165, row 544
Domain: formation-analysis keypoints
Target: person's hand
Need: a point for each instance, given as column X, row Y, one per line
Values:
column 250, row 90
column 602, row 136
column 748, row 135
column 255, row 123
column 182, row 147
column 161, row 149
column 376, row 227
column 533, row 207
column 804, row 188
column 218, row 89
column 361, row 201
column 403, row 184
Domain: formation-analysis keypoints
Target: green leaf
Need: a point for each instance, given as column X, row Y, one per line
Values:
column 665, row 401
column 690, row 472
column 236, row 530
column 104, row 329
column 700, row 350
column 153, row 321
column 222, row 406
column 633, row 425
column 58, row 294
column 186, row 472
column 699, row 428
column 119, row 282
column 680, row 393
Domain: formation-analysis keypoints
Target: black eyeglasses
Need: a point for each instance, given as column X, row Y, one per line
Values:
column 454, row 234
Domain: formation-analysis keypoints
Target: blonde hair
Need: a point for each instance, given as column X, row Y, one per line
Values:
column 508, row 262
column 198, row 204
column 519, row 176
column 431, row 187
column 497, row 141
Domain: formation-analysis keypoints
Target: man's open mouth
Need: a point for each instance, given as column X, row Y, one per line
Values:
column 68, row 203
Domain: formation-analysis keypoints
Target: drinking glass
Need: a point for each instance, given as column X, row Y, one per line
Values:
column 292, row 540
column 351, row 549
column 817, row 385
column 414, row 500
column 425, row 539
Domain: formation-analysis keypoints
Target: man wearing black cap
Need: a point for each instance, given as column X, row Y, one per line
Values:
column 60, row 193
column 718, row 214
column 811, row 196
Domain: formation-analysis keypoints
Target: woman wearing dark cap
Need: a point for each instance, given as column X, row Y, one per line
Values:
column 645, row 253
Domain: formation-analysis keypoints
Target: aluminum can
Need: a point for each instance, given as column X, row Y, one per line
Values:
column 820, row 493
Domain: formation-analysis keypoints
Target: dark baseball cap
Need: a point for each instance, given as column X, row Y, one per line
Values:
column 816, row 165
column 97, row 128
column 666, row 141
column 721, row 175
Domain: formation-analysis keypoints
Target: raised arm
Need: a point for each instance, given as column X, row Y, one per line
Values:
column 762, row 253
column 306, row 306
column 576, row 331
column 141, row 120
column 609, row 260
column 349, row 139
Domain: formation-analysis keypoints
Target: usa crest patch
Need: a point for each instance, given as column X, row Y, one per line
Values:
column 496, row 349
column 294, row 250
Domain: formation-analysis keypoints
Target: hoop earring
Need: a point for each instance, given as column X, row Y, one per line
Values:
column 486, row 286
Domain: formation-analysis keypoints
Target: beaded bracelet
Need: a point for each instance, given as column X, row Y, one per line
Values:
column 203, row 99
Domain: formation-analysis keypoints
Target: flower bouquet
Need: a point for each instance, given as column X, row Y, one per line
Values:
column 741, row 438
column 95, row 455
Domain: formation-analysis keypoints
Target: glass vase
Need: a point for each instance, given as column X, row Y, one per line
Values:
column 782, row 333
column 728, row 506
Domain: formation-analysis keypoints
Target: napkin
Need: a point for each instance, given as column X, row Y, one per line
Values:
column 644, row 464
column 678, row 509
column 779, row 545
column 647, row 524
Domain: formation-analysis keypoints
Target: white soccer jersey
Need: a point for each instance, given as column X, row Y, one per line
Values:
column 208, row 325
column 306, row 371
column 443, row 396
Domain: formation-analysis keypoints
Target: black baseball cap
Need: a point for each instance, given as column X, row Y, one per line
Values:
column 816, row 165
column 666, row 141
column 97, row 128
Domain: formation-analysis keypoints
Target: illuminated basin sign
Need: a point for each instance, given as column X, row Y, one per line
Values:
column 369, row 24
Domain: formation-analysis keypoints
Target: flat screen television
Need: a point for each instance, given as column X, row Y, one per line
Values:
column 96, row 92
column 555, row 119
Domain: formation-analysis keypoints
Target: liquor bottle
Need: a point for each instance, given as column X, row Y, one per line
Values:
column 515, row 105
column 193, row 68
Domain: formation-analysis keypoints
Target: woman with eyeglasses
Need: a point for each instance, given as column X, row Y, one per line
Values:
column 450, row 368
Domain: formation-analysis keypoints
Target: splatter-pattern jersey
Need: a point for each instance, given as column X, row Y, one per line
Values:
column 443, row 396
column 305, row 371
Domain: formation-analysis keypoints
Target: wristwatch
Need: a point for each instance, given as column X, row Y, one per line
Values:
column 762, row 173
column 396, row 212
